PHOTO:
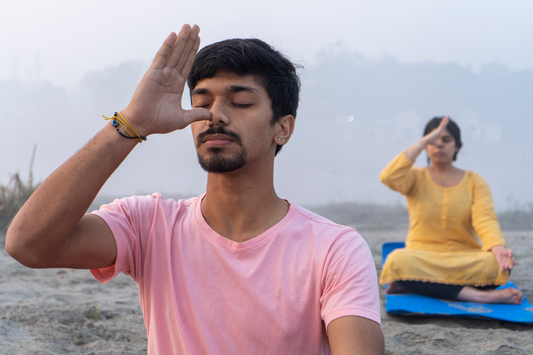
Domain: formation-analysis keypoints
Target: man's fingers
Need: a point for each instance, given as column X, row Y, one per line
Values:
column 190, row 60
column 187, row 65
column 162, row 54
column 177, row 51
column 188, row 49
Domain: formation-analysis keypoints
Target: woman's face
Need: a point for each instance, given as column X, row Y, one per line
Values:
column 442, row 151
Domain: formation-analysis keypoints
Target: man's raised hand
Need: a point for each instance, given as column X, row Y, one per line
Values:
column 156, row 104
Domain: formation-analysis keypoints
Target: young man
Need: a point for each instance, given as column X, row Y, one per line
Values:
column 236, row 270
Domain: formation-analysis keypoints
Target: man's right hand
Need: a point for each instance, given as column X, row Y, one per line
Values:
column 52, row 229
column 156, row 104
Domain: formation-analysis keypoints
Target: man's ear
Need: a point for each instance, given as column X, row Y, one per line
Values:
column 284, row 129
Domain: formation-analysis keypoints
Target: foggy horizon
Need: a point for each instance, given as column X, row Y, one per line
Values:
column 374, row 73
column 355, row 115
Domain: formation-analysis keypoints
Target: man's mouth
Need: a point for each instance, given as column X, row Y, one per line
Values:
column 217, row 140
column 216, row 137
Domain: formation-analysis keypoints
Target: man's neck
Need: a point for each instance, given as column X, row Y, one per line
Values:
column 241, row 206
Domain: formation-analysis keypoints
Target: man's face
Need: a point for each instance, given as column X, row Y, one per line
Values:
column 239, row 132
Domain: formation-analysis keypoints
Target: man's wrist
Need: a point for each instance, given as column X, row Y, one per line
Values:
column 118, row 135
column 131, row 117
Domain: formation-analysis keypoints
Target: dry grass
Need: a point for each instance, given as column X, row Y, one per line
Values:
column 12, row 196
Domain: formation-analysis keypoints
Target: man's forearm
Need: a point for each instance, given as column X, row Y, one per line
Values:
column 51, row 230
column 353, row 335
column 47, row 219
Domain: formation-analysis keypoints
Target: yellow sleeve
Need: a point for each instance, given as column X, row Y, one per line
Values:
column 399, row 174
column 484, row 218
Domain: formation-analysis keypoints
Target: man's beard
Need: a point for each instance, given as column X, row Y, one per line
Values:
column 217, row 163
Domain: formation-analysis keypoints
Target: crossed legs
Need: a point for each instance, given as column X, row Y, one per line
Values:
column 486, row 294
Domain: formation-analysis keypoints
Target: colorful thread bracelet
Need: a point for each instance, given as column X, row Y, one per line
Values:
column 125, row 126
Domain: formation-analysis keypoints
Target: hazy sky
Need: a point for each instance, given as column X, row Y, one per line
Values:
column 59, row 41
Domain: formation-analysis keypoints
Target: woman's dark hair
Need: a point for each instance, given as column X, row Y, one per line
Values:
column 452, row 127
column 254, row 57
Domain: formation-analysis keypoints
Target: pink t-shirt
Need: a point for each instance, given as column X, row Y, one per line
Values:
column 202, row 293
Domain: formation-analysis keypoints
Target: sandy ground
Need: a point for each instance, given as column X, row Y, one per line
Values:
column 451, row 335
column 64, row 311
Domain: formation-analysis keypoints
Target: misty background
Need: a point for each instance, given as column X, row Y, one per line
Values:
column 374, row 74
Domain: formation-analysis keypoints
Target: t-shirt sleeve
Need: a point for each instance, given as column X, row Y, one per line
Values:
column 128, row 220
column 350, row 281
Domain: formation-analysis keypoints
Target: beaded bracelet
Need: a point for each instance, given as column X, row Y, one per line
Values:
column 126, row 126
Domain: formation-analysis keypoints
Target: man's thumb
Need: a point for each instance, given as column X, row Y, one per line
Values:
column 198, row 114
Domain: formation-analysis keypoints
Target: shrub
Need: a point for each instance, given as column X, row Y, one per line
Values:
column 12, row 197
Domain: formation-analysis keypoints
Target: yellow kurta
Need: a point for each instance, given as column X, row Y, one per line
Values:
column 442, row 244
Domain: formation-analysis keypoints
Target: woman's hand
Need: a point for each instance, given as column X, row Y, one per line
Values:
column 504, row 257
column 156, row 104
column 431, row 138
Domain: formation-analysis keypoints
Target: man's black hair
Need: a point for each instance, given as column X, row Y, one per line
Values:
column 254, row 57
column 452, row 127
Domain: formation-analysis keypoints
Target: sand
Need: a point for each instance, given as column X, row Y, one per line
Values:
column 451, row 335
column 65, row 311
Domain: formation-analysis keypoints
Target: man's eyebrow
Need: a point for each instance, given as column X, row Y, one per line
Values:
column 231, row 88
column 200, row 91
column 239, row 88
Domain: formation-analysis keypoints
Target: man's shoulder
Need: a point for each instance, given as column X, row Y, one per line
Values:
column 158, row 198
column 149, row 204
column 314, row 217
column 308, row 219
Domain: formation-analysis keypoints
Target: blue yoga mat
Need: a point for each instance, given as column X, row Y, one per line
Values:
column 417, row 305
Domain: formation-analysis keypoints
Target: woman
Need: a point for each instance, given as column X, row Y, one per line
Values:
column 448, row 209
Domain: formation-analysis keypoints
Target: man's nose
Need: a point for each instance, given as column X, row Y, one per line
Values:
column 219, row 114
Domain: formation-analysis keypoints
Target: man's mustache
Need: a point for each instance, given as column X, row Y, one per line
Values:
column 218, row 130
